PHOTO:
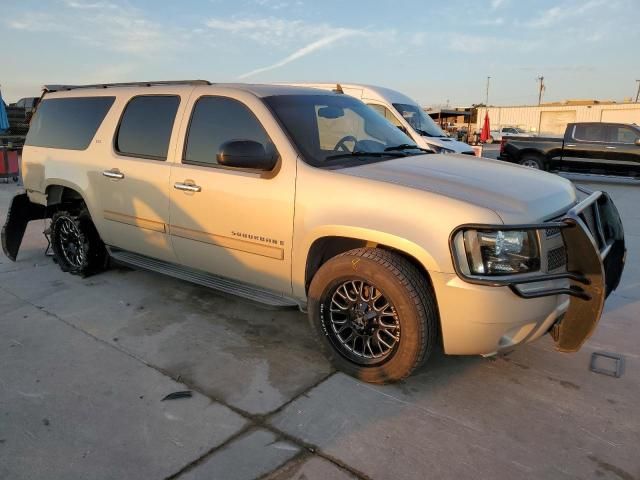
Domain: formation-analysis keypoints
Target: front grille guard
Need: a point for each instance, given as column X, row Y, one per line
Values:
column 594, row 238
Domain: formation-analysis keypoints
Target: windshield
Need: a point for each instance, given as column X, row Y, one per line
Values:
column 420, row 121
column 338, row 130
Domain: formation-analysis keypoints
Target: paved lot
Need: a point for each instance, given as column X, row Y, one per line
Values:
column 85, row 363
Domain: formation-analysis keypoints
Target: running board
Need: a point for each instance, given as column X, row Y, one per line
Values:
column 199, row 277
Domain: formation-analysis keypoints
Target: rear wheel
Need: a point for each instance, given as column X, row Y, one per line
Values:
column 374, row 314
column 532, row 161
column 75, row 242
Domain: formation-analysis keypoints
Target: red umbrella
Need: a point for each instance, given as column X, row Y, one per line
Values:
column 486, row 129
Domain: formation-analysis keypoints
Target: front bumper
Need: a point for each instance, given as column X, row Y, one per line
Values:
column 504, row 311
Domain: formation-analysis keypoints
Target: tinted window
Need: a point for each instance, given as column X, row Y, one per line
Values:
column 420, row 121
column 623, row 134
column 590, row 132
column 216, row 120
column 68, row 123
column 337, row 130
column 146, row 125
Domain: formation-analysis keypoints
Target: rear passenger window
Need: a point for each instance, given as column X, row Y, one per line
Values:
column 146, row 126
column 67, row 123
column 216, row 120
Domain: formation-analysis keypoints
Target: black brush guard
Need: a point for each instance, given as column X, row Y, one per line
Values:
column 594, row 238
column 594, row 241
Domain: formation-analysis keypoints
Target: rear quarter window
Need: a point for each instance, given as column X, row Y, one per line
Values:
column 68, row 123
column 146, row 126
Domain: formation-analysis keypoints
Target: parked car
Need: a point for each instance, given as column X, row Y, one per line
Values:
column 587, row 147
column 403, row 112
column 496, row 135
column 29, row 105
column 300, row 197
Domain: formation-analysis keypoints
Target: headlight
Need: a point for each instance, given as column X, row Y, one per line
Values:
column 500, row 252
column 438, row 149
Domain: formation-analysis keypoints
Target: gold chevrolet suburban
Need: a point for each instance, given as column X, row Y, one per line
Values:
column 293, row 196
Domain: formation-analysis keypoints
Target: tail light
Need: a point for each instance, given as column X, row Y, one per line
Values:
column 503, row 142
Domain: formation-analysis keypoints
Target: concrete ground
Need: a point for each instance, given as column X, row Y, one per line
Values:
column 85, row 364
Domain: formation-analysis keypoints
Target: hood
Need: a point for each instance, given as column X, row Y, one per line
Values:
column 517, row 194
column 450, row 143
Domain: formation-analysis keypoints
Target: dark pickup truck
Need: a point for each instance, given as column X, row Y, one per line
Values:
column 603, row 148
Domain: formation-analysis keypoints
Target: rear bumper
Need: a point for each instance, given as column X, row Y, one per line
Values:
column 485, row 316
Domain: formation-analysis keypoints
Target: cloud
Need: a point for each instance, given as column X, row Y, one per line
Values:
column 273, row 30
column 303, row 52
column 106, row 25
column 560, row 13
column 283, row 34
column 89, row 6
column 495, row 4
column 482, row 44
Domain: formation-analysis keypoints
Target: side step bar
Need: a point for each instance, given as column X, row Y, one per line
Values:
column 226, row 285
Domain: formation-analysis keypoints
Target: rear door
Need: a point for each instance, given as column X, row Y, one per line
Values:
column 622, row 152
column 134, row 180
column 585, row 147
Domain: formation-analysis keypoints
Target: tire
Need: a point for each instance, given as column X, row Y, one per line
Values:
column 532, row 161
column 76, row 244
column 412, row 312
column 490, row 140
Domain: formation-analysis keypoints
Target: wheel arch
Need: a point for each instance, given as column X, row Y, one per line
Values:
column 329, row 244
column 62, row 192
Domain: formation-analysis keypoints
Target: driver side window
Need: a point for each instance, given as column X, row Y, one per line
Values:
column 216, row 120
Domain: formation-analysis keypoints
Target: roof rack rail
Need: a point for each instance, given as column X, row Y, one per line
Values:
column 57, row 88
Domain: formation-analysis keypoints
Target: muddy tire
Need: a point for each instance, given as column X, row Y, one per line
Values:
column 76, row 244
column 374, row 314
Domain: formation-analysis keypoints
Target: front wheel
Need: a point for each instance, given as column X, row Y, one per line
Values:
column 374, row 314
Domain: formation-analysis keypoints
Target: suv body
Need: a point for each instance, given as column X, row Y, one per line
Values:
column 403, row 112
column 256, row 190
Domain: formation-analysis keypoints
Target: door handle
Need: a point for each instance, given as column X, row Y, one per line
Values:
column 610, row 148
column 187, row 187
column 113, row 173
column 570, row 145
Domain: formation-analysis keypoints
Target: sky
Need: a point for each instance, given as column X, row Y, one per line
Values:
column 438, row 52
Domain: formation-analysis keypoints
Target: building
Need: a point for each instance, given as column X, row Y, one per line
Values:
column 552, row 118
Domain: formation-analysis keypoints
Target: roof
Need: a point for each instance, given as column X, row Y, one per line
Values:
column 259, row 90
column 369, row 91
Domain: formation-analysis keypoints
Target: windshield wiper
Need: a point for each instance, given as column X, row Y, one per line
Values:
column 366, row 154
column 406, row 146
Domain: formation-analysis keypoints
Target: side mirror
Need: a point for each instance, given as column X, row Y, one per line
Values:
column 638, row 142
column 245, row 154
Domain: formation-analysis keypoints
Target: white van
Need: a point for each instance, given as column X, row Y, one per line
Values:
column 403, row 112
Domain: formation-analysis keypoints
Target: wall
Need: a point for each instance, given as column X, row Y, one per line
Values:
column 541, row 118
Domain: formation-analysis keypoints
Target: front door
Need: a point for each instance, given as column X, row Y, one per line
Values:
column 585, row 148
column 235, row 223
column 134, row 182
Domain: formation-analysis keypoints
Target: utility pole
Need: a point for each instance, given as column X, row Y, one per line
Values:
column 540, row 89
column 638, row 94
column 486, row 101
